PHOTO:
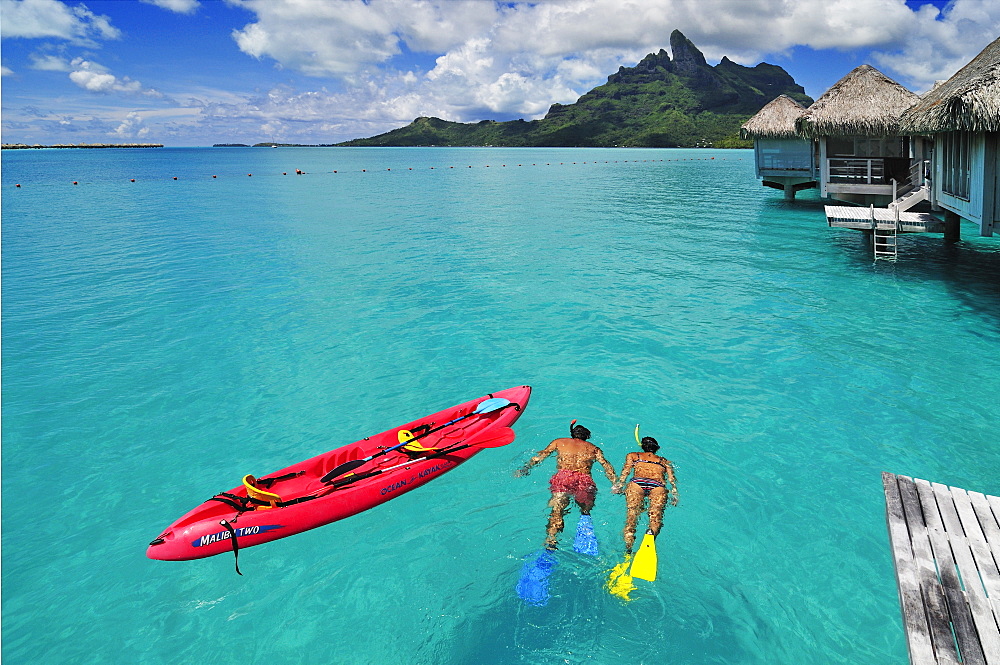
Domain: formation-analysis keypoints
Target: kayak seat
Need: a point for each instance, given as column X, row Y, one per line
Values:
column 255, row 492
column 415, row 448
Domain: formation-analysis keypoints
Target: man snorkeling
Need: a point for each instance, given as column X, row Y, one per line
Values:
column 652, row 475
column 574, row 458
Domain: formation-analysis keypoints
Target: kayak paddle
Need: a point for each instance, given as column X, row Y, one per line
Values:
column 486, row 406
column 495, row 439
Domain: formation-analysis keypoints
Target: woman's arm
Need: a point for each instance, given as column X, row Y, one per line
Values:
column 627, row 469
column 672, row 490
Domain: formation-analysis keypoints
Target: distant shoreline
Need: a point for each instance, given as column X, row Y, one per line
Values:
column 22, row 146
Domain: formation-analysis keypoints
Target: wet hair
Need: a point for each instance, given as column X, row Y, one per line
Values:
column 649, row 444
column 580, row 432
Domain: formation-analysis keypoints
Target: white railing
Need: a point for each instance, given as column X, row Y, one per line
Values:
column 915, row 180
column 856, row 171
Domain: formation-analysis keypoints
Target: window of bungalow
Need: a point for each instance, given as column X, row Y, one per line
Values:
column 866, row 147
column 784, row 155
column 956, row 162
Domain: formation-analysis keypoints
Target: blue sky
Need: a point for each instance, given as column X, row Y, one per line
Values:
column 197, row 72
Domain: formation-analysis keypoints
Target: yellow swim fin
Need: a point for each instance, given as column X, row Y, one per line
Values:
column 619, row 581
column 644, row 565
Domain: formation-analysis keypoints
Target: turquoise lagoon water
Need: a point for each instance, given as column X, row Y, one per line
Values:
column 162, row 338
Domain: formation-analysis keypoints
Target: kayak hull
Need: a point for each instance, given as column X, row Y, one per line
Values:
column 201, row 533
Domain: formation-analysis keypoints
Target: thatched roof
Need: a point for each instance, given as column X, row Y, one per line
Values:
column 968, row 101
column 775, row 121
column 866, row 102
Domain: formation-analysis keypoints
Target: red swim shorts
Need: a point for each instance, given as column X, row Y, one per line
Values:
column 577, row 483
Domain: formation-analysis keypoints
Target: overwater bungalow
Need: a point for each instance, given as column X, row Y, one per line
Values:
column 864, row 157
column 784, row 159
column 962, row 118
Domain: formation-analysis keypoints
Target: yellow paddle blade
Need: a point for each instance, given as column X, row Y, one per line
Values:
column 619, row 581
column 644, row 565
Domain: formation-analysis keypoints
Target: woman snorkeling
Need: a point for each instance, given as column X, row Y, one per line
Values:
column 653, row 478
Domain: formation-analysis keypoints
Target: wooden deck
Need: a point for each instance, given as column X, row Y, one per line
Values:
column 946, row 547
column 854, row 217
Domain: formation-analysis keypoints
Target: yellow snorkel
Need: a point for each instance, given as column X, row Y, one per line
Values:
column 637, row 434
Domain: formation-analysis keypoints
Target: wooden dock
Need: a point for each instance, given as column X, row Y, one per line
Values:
column 865, row 219
column 946, row 547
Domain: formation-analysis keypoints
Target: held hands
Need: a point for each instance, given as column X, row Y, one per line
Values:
column 616, row 488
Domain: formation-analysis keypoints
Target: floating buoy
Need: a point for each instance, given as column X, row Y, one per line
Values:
column 334, row 171
column 284, row 173
column 17, row 185
column 175, row 177
column 411, row 168
column 388, row 169
column 249, row 175
column 215, row 176
column 130, row 180
column 362, row 170
column 75, row 182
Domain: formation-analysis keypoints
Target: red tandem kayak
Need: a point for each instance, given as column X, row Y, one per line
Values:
column 342, row 482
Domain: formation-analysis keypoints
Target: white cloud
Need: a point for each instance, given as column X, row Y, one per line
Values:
column 482, row 59
column 50, row 63
column 35, row 19
column 518, row 58
column 939, row 46
column 94, row 77
column 131, row 127
column 6, row 71
column 179, row 6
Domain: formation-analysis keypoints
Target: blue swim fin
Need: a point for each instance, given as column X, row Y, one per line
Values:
column 533, row 587
column 585, row 541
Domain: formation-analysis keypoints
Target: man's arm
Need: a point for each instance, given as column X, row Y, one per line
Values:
column 627, row 469
column 542, row 454
column 609, row 470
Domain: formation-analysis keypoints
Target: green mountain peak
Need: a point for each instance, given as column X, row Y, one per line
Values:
column 666, row 100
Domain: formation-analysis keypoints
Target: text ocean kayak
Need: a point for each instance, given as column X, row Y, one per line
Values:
column 342, row 482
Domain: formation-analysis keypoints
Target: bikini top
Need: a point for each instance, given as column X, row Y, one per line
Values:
column 665, row 466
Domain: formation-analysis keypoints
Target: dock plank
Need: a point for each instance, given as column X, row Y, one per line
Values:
column 941, row 610
column 918, row 637
column 854, row 217
column 982, row 615
column 950, row 585
column 975, row 590
column 985, row 564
